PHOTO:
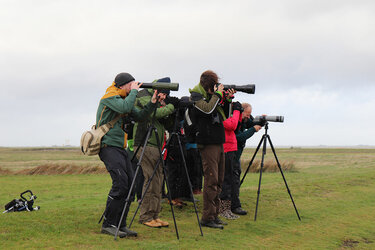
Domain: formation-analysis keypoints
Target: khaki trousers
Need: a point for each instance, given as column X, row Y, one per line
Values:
column 213, row 161
column 151, row 204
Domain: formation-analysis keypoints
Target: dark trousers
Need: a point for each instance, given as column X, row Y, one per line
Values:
column 175, row 170
column 228, row 187
column 118, row 165
column 236, row 185
column 138, row 185
column 213, row 170
column 194, row 166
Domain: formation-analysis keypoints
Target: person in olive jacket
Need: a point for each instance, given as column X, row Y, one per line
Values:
column 119, row 100
column 151, row 204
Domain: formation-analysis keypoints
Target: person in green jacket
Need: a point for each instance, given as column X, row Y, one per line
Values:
column 151, row 204
column 119, row 101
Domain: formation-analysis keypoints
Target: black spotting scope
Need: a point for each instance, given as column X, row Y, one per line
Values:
column 249, row 88
column 161, row 85
column 269, row 118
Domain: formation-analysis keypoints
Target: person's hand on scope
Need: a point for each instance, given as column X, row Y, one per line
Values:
column 135, row 85
column 231, row 93
column 257, row 128
column 219, row 88
column 154, row 98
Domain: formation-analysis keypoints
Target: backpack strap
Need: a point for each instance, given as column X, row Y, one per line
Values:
column 112, row 123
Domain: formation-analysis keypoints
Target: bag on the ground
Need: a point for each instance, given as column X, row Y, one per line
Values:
column 90, row 140
column 19, row 205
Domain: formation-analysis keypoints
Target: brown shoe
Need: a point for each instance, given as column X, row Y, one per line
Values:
column 197, row 191
column 152, row 223
column 176, row 203
column 163, row 223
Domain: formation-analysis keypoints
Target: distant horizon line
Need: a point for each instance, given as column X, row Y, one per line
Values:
column 279, row 146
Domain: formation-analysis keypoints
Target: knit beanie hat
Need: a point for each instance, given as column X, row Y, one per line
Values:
column 123, row 78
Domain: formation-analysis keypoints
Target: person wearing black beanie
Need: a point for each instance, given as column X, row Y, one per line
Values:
column 123, row 78
column 118, row 100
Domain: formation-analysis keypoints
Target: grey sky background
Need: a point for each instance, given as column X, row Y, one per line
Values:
column 312, row 62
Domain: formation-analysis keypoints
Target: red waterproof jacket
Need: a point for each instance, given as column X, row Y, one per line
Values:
column 230, row 126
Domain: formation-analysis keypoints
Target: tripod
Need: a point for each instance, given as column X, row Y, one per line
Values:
column 264, row 141
column 167, row 147
column 145, row 139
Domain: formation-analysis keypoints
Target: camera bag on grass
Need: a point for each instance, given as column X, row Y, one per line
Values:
column 19, row 205
column 90, row 140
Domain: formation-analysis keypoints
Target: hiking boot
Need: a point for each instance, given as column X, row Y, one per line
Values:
column 152, row 223
column 176, row 203
column 211, row 223
column 129, row 232
column 239, row 211
column 218, row 221
column 163, row 223
column 111, row 230
column 226, row 212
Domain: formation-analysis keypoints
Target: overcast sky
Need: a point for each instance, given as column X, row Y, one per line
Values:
column 312, row 62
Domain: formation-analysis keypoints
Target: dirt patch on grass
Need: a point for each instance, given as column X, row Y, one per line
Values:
column 349, row 243
column 54, row 169
column 268, row 166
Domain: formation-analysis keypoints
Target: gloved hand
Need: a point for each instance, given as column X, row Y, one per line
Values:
column 173, row 100
column 237, row 106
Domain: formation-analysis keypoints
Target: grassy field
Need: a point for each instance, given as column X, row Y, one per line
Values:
column 334, row 191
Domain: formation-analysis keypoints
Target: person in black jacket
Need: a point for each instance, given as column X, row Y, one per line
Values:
column 208, row 118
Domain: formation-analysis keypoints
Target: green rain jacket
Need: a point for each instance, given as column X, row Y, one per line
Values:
column 110, row 107
column 140, row 128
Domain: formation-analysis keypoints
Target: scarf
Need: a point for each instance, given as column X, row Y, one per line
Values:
column 199, row 89
column 113, row 91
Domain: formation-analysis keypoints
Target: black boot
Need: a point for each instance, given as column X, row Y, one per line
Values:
column 111, row 230
column 211, row 223
column 129, row 232
column 239, row 211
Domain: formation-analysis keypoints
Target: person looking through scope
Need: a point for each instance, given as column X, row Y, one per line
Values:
column 230, row 148
column 246, row 128
column 119, row 100
column 151, row 205
column 210, row 136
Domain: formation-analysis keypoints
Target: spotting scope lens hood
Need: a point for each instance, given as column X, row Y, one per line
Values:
column 249, row 88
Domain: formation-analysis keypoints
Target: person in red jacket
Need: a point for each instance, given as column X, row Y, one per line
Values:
column 230, row 148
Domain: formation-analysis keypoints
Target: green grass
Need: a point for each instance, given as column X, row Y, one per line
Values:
column 334, row 191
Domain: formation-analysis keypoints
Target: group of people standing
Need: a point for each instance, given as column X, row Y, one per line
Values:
column 215, row 141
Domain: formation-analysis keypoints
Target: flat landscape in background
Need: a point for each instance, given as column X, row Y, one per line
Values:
column 334, row 191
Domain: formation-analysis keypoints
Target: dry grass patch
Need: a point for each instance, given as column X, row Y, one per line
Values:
column 54, row 169
column 268, row 166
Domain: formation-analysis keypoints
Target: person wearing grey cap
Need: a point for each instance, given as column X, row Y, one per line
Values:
column 119, row 99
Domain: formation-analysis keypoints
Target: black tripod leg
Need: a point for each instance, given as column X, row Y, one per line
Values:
column 252, row 159
column 144, row 192
column 282, row 174
column 148, row 134
column 167, row 183
column 188, row 179
column 260, row 174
